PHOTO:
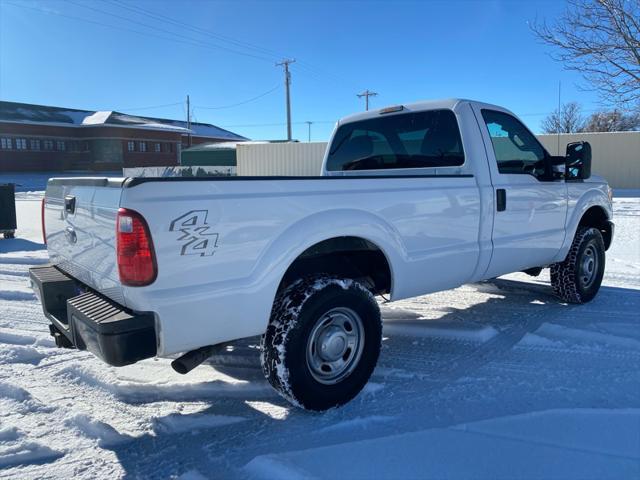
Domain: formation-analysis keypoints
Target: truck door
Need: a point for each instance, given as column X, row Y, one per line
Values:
column 530, row 205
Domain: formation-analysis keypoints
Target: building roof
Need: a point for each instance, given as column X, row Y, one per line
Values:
column 40, row 114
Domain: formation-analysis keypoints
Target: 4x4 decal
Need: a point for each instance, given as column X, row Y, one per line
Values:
column 195, row 233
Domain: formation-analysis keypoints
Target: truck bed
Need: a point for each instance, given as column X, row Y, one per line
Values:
column 255, row 227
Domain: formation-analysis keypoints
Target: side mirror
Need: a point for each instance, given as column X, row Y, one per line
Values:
column 578, row 161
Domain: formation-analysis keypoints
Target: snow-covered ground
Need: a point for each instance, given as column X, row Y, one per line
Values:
column 491, row 380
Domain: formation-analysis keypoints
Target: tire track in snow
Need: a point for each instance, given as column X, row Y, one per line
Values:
column 13, row 295
column 31, row 261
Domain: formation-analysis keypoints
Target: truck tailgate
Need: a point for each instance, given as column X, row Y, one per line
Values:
column 80, row 224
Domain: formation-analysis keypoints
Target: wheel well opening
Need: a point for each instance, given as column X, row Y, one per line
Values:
column 348, row 257
column 596, row 217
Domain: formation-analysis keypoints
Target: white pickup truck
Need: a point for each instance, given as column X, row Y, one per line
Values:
column 411, row 199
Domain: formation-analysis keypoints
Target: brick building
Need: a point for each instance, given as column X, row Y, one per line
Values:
column 36, row 137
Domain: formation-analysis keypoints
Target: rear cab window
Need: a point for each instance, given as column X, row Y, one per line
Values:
column 427, row 139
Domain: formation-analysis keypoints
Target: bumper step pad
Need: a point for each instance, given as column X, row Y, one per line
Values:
column 93, row 322
column 53, row 288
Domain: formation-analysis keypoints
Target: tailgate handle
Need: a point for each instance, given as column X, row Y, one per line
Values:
column 70, row 204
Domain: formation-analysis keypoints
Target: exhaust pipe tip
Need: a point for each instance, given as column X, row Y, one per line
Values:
column 180, row 367
column 192, row 359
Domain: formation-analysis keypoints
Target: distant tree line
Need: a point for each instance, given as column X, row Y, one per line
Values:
column 569, row 119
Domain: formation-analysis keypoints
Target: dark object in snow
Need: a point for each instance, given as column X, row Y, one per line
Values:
column 8, row 223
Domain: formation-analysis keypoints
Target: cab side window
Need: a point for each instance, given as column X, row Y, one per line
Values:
column 516, row 149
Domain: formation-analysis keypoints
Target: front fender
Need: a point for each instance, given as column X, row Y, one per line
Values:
column 595, row 196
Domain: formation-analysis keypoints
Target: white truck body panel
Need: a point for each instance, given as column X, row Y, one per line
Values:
column 437, row 227
column 420, row 229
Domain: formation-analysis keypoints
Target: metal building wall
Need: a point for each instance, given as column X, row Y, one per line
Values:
column 285, row 159
column 615, row 155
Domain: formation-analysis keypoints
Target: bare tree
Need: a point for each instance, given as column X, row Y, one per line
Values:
column 568, row 120
column 601, row 40
column 613, row 121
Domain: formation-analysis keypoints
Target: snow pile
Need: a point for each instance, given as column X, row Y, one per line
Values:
column 15, row 451
column 462, row 331
column 179, row 423
column 104, row 433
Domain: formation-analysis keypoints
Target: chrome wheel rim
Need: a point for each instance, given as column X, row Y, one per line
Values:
column 335, row 345
column 588, row 266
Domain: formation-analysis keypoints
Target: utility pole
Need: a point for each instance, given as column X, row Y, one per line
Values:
column 189, row 121
column 287, row 83
column 309, row 124
column 366, row 94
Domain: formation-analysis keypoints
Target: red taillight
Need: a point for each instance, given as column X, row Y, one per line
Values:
column 44, row 230
column 136, row 258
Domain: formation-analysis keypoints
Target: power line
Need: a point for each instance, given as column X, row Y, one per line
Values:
column 252, row 99
column 278, row 124
column 153, row 27
column 318, row 72
column 193, row 28
column 242, row 102
column 309, row 68
column 142, row 33
column 195, row 42
column 135, row 109
column 306, row 66
column 126, row 29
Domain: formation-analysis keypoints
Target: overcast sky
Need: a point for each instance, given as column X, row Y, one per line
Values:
column 127, row 56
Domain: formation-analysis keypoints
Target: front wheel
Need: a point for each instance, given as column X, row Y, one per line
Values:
column 322, row 342
column 577, row 279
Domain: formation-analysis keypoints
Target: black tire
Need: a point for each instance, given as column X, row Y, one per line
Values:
column 295, row 318
column 9, row 235
column 568, row 277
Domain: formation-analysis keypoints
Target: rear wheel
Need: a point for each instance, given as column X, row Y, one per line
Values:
column 577, row 279
column 322, row 342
